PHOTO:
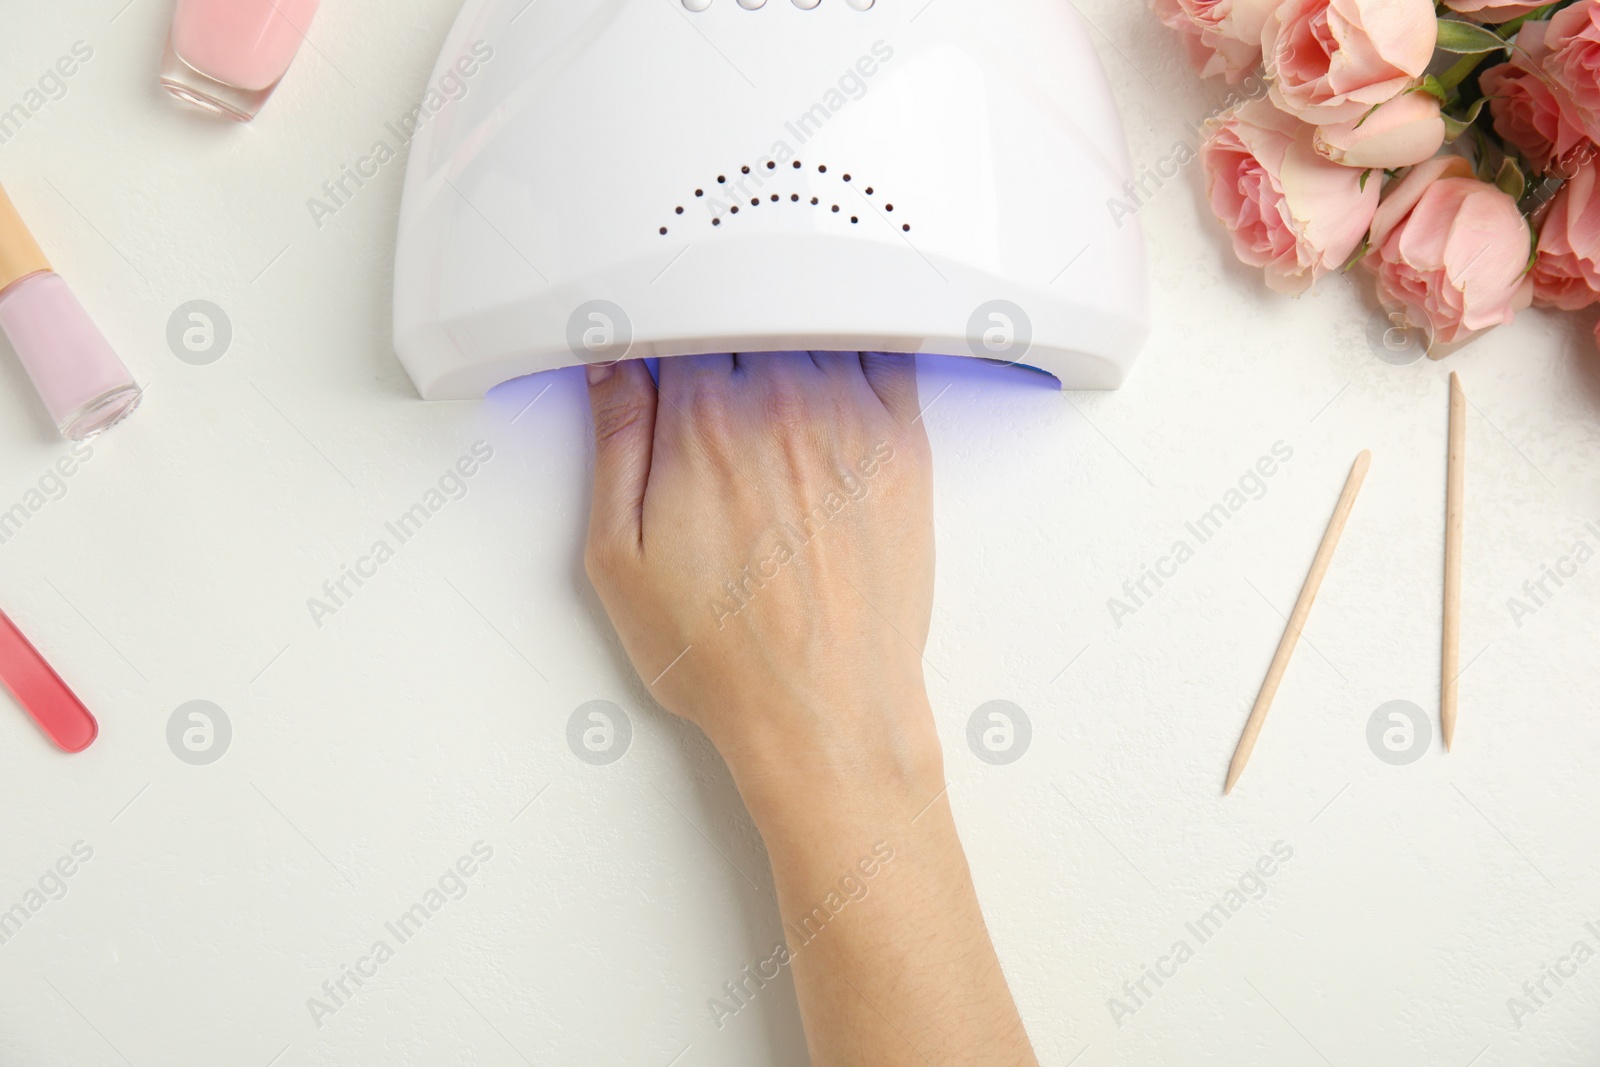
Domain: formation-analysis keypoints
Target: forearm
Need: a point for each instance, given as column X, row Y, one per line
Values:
column 891, row 959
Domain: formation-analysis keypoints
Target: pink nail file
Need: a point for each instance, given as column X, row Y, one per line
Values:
column 42, row 693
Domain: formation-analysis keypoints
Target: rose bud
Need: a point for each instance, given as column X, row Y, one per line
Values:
column 1572, row 37
column 1333, row 60
column 1531, row 112
column 1400, row 133
column 1290, row 211
column 1451, row 251
column 1223, row 36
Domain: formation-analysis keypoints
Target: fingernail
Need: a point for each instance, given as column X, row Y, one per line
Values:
column 598, row 372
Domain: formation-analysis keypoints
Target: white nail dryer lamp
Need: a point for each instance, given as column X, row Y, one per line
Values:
column 668, row 177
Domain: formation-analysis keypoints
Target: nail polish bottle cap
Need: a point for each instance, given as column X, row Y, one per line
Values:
column 20, row 254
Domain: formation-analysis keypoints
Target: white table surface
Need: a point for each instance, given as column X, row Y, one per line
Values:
column 430, row 711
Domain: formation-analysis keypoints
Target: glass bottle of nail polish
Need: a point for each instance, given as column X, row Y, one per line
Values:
column 227, row 56
column 83, row 384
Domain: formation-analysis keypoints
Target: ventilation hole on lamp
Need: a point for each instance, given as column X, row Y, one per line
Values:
column 680, row 211
column 796, row 198
column 663, row 231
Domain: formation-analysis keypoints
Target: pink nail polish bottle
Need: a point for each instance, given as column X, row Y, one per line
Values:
column 227, row 56
column 83, row 384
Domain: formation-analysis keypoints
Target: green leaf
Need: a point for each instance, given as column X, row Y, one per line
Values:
column 1464, row 38
column 1510, row 179
column 1366, row 246
column 1433, row 85
column 1364, row 176
column 1455, row 127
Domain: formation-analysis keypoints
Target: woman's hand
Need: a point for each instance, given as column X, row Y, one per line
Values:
column 762, row 537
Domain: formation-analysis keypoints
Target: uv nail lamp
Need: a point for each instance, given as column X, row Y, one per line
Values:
column 610, row 178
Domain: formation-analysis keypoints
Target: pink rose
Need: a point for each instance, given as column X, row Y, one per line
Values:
column 1451, row 251
column 1493, row 12
column 1528, row 113
column 1567, row 273
column 1400, row 133
column 1223, row 36
column 1572, row 41
column 1332, row 60
column 1289, row 210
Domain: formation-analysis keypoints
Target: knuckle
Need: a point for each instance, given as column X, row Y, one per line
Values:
column 784, row 409
column 618, row 418
column 711, row 412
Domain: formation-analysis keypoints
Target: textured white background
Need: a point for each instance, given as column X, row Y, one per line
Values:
column 427, row 714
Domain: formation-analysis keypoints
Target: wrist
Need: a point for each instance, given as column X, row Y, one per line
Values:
column 849, row 768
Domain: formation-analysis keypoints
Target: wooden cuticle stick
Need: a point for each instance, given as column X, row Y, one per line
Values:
column 1297, row 619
